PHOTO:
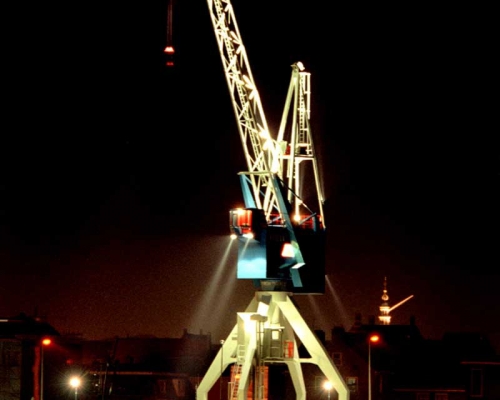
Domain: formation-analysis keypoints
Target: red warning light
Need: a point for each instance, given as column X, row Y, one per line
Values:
column 170, row 51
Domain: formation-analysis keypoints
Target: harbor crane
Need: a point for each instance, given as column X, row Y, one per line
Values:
column 281, row 238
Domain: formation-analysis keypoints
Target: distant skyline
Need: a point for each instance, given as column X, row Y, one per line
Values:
column 117, row 174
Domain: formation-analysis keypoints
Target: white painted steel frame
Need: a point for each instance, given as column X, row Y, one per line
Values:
column 241, row 348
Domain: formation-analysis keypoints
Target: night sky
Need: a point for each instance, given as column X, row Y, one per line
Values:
column 117, row 173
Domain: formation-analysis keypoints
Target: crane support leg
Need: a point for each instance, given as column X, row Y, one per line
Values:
column 251, row 344
column 297, row 379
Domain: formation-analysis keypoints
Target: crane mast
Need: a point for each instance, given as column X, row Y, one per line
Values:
column 281, row 241
column 299, row 149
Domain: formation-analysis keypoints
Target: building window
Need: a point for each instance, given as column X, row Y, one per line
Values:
column 337, row 358
column 476, row 383
column 179, row 387
column 352, row 383
column 162, row 386
column 423, row 396
column 441, row 396
column 10, row 354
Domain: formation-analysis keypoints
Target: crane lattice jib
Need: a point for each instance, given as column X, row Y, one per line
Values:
column 259, row 147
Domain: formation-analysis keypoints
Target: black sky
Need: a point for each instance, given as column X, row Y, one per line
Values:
column 118, row 174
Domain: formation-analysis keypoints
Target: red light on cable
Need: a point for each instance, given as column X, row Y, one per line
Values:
column 169, row 51
column 46, row 341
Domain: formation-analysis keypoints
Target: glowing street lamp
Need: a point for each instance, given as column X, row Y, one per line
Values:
column 373, row 339
column 45, row 342
column 328, row 387
column 221, row 366
column 75, row 383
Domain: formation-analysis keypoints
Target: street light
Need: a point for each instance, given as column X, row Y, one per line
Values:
column 45, row 342
column 373, row 339
column 75, row 382
column 221, row 366
column 328, row 387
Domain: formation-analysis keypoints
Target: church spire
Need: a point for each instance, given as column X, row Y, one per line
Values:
column 385, row 309
column 384, row 317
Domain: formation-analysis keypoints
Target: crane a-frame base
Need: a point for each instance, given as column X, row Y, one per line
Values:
column 266, row 334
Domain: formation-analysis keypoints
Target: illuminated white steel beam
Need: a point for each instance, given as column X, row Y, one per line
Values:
column 245, row 347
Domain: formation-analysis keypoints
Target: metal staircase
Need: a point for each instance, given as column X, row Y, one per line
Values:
column 236, row 372
column 235, row 381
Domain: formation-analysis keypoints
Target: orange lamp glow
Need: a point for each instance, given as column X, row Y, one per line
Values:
column 46, row 341
column 374, row 338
